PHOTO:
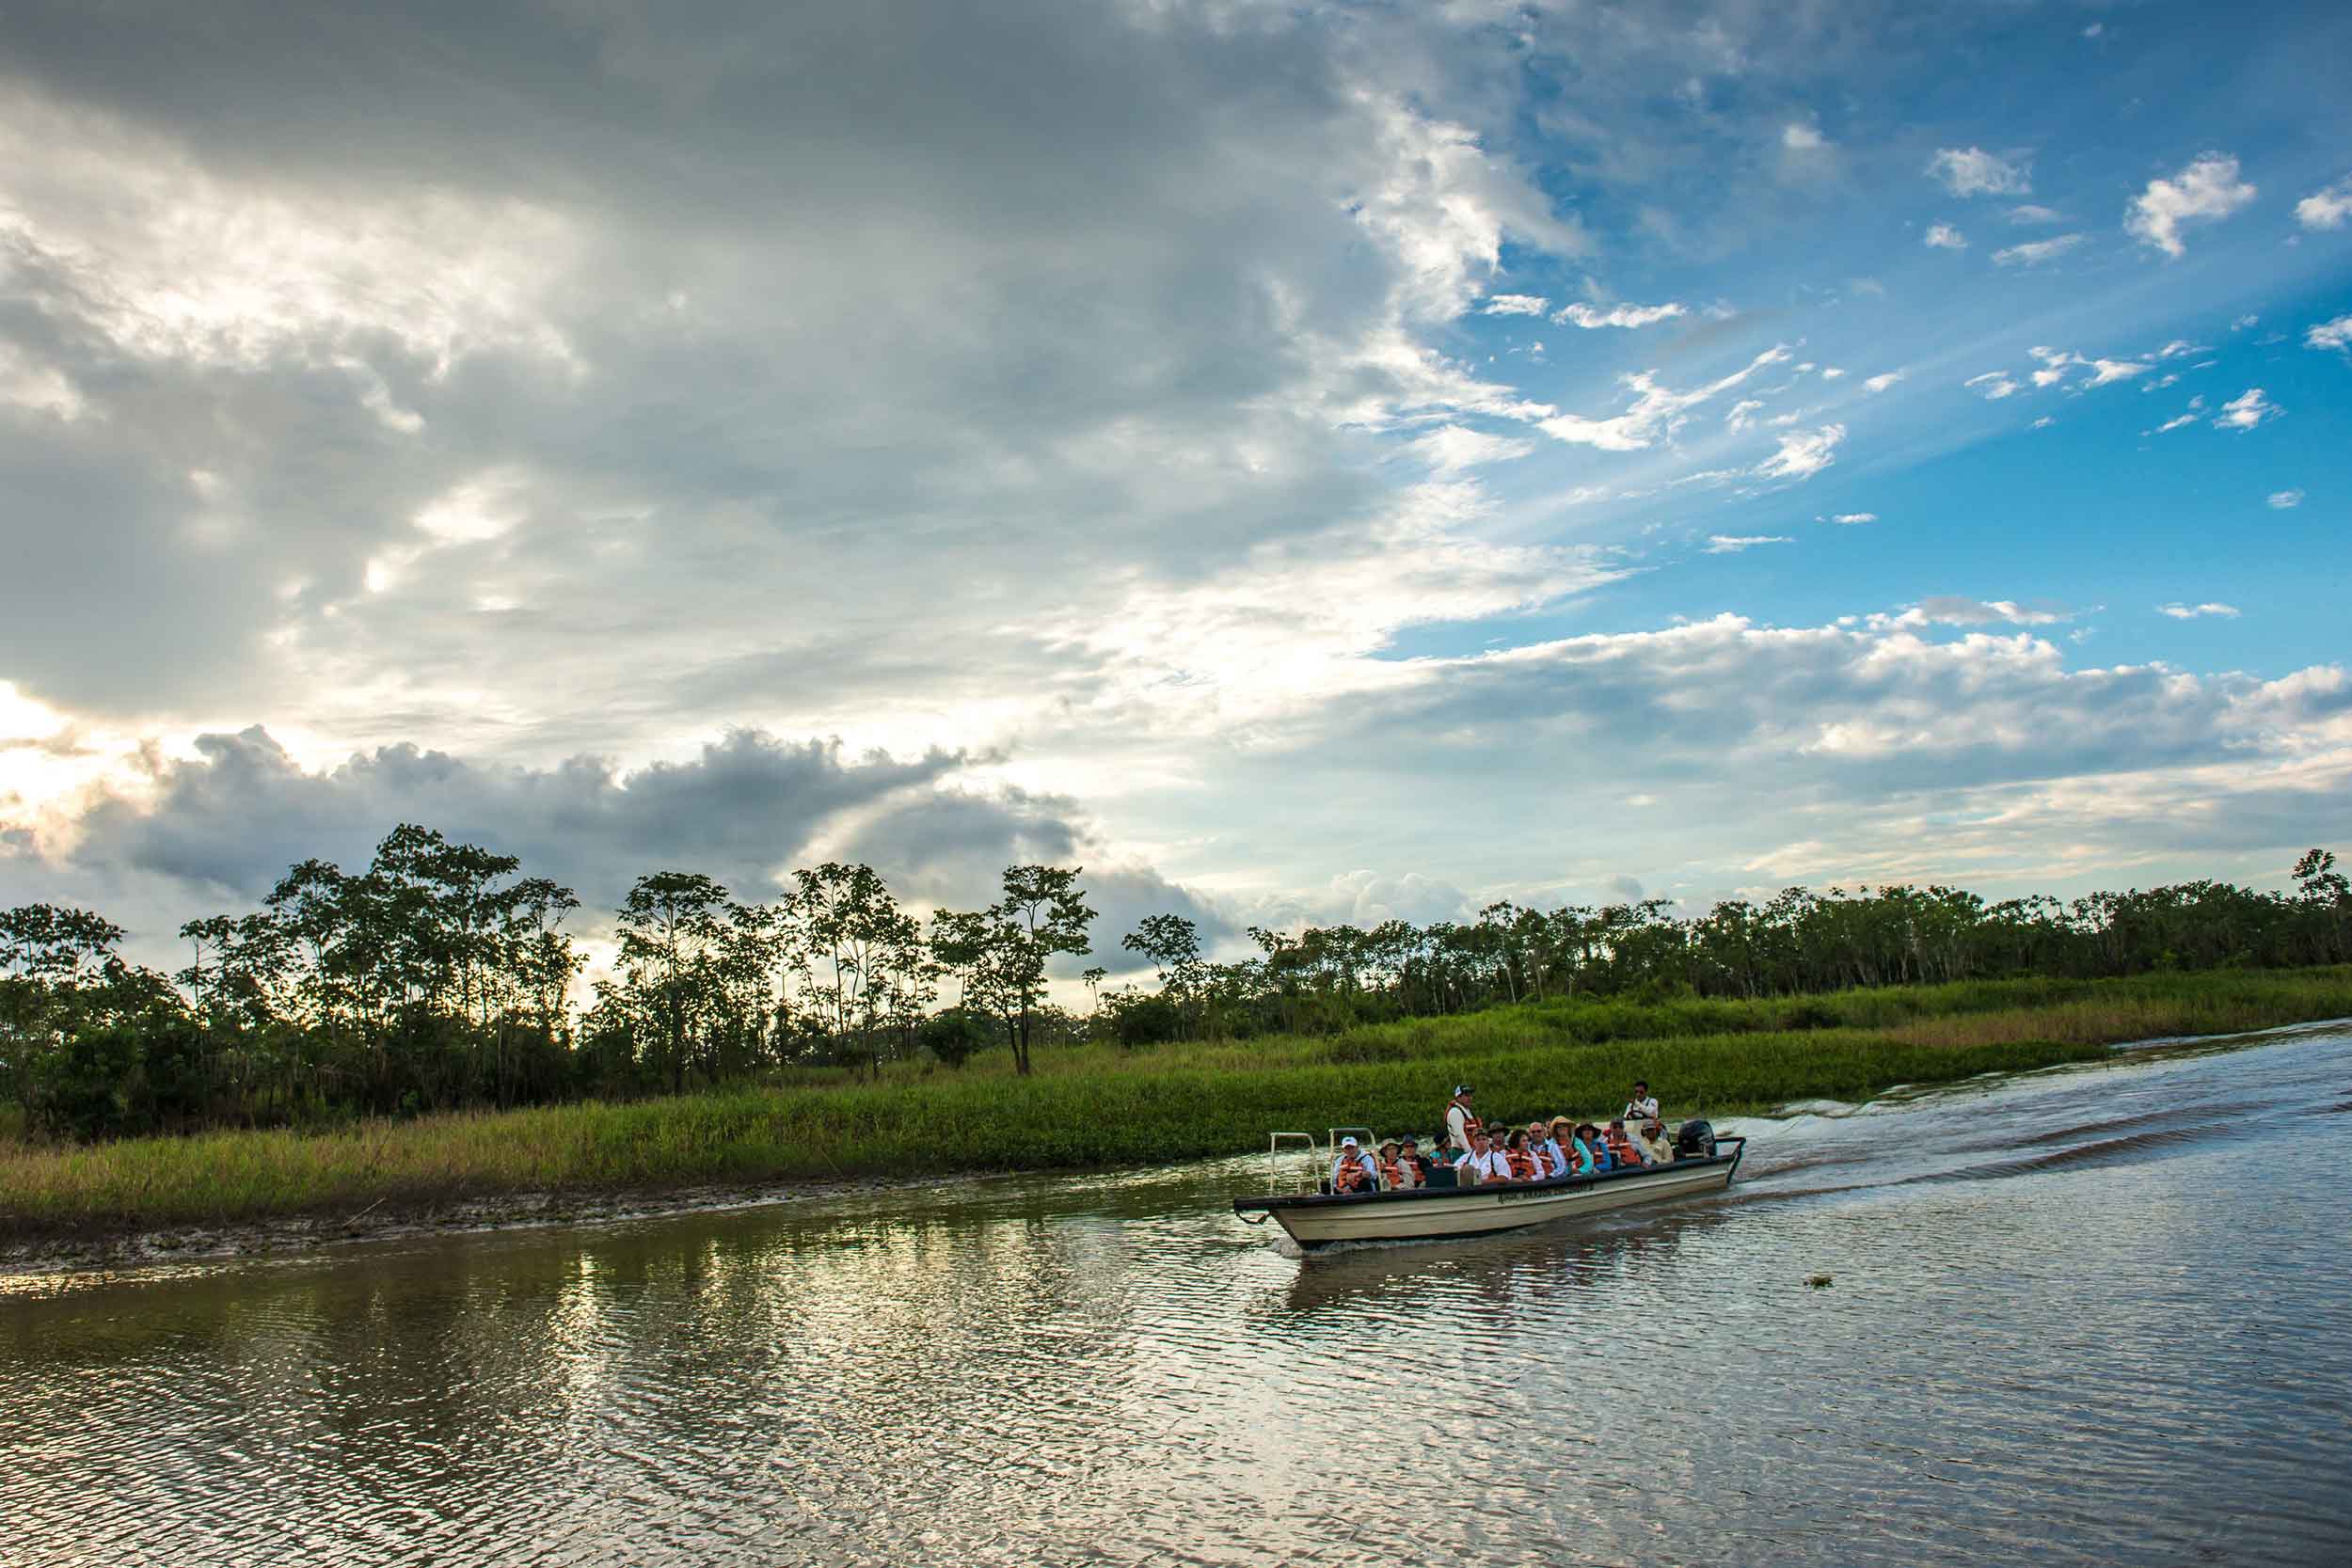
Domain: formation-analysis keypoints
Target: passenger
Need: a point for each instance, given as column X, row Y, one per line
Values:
column 1484, row 1163
column 1596, row 1148
column 1579, row 1160
column 1621, row 1148
column 1656, row 1150
column 1525, row 1164
column 1642, row 1107
column 1397, row 1173
column 1459, row 1123
column 1354, row 1171
column 1547, row 1147
column 1410, row 1158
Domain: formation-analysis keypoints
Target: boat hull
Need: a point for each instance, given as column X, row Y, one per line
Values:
column 1433, row 1214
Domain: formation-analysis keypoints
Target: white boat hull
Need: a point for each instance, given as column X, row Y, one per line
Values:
column 1480, row 1211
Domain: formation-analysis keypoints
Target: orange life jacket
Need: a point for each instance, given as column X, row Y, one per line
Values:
column 1350, row 1177
column 1470, row 1124
column 1524, row 1167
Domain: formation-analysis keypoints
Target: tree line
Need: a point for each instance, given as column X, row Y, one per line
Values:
column 441, row 976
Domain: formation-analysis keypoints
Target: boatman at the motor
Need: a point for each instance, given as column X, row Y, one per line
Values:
column 1460, row 1123
column 1642, row 1107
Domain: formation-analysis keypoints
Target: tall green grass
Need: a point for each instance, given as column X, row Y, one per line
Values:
column 1096, row 1105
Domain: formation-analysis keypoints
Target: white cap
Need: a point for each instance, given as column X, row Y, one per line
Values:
column 1350, row 1142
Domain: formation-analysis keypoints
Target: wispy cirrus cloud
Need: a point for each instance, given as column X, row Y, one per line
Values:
column 2198, row 611
column 1589, row 317
column 2034, row 253
column 1726, row 543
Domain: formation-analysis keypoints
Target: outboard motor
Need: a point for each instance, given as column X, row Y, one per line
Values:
column 1695, row 1141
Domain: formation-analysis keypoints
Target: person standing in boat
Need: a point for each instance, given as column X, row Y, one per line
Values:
column 1461, row 1124
column 1354, row 1171
column 1642, row 1107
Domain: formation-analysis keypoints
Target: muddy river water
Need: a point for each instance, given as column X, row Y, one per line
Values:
column 2099, row 1316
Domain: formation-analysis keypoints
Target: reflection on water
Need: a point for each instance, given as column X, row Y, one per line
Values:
column 2094, row 1316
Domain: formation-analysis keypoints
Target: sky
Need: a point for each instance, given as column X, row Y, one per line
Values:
column 1305, row 462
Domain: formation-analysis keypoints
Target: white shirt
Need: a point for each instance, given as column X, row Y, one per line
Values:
column 1372, row 1170
column 1555, row 1161
column 1640, row 1111
column 1457, row 1130
column 1493, row 1165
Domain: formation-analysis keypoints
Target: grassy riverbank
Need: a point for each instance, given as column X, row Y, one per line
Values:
column 1097, row 1105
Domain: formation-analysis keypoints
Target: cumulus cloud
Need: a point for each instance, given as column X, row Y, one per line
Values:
column 2336, row 334
column 1728, row 543
column 2035, row 252
column 1584, row 315
column 1802, row 139
column 1803, row 453
column 1882, row 382
column 2195, row 611
column 1946, row 610
column 2327, row 208
column 1972, row 171
column 1943, row 236
column 2246, row 410
column 2285, row 500
column 2208, row 191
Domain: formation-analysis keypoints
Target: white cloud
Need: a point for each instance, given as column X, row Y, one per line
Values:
column 1743, row 413
column 2028, row 213
column 1803, row 453
column 1455, row 447
column 2208, row 191
column 2034, row 252
column 1994, row 384
column 2176, row 423
column 2178, row 347
column 1657, row 412
column 1833, row 372
column 1516, row 305
column 1618, row 315
column 1854, row 519
column 1949, row 610
column 2330, row 334
column 1943, row 236
column 1882, row 382
column 1972, row 171
column 2044, row 423
column 2246, row 410
column 2330, row 208
column 1802, row 139
column 2242, row 322
column 2106, row 371
column 1728, row 543
column 2285, row 500
column 2195, row 611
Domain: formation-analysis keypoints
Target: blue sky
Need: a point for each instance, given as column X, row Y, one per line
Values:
column 1308, row 462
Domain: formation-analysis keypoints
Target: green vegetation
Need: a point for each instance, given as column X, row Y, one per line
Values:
column 1097, row 1103
column 441, row 978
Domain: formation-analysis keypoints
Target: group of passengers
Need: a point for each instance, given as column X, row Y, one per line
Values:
column 1539, row 1152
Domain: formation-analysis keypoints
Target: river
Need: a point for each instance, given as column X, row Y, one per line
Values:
column 2093, row 1315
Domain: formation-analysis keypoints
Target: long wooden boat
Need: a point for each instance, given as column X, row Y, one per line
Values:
column 1428, row 1213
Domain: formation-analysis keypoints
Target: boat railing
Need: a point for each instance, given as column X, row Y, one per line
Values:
column 1307, row 1177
